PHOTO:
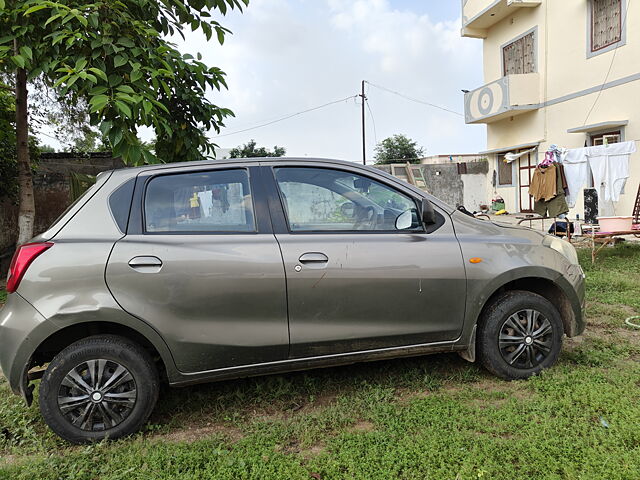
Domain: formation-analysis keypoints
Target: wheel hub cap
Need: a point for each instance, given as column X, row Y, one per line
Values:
column 526, row 339
column 97, row 395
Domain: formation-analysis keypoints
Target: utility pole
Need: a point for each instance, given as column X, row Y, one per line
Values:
column 364, row 148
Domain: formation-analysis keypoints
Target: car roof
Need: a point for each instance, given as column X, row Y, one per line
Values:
column 253, row 160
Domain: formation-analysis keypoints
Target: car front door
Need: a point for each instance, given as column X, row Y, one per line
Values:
column 201, row 265
column 356, row 279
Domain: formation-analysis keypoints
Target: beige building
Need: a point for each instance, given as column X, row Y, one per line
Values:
column 563, row 72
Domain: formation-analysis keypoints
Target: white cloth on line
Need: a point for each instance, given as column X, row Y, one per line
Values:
column 575, row 170
column 610, row 167
column 510, row 157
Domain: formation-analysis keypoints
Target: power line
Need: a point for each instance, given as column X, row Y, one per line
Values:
column 407, row 97
column 287, row 117
column 373, row 121
column 613, row 57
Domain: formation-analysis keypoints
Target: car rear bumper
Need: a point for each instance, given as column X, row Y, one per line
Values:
column 22, row 329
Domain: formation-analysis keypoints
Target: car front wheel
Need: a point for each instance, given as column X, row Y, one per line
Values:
column 519, row 335
column 99, row 387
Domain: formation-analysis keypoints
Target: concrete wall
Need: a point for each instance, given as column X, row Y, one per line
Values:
column 443, row 181
column 52, row 194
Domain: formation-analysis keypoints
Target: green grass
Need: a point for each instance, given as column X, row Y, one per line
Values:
column 424, row 418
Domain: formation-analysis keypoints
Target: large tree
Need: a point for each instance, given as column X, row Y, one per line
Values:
column 249, row 150
column 115, row 57
column 398, row 148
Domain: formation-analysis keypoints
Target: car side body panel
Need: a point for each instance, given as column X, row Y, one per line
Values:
column 66, row 285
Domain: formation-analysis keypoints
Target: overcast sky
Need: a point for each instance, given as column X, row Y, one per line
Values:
column 286, row 56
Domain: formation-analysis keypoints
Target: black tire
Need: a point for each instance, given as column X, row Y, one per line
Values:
column 514, row 344
column 118, row 372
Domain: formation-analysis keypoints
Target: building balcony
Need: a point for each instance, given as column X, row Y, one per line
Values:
column 509, row 96
column 480, row 15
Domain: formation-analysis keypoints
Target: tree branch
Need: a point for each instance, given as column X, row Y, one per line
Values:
column 8, row 88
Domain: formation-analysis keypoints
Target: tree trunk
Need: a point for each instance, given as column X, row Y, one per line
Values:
column 27, row 211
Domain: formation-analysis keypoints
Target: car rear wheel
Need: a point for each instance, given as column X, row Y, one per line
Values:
column 99, row 387
column 519, row 335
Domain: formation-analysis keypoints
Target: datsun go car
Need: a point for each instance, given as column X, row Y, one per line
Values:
column 213, row 270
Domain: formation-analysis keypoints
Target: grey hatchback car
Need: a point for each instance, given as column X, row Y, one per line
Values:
column 203, row 271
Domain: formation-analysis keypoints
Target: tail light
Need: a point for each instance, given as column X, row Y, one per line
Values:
column 25, row 254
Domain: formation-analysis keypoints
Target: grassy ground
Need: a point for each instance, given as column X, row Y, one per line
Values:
column 431, row 417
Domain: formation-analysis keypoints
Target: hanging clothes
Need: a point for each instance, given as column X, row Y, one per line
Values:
column 610, row 167
column 563, row 178
column 557, row 205
column 543, row 183
column 576, row 170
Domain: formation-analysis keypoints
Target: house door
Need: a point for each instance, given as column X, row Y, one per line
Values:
column 526, row 168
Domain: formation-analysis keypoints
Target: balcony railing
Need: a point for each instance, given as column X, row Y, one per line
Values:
column 509, row 96
column 480, row 15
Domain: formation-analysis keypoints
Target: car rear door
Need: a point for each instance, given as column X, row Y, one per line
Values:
column 354, row 281
column 201, row 265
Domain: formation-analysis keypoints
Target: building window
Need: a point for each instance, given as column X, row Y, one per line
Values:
column 606, row 23
column 519, row 56
column 608, row 138
column 505, row 172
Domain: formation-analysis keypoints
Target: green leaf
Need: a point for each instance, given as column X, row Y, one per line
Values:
column 99, row 73
column 98, row 102
column 134, row 154
column 51, row 19
column 125, row 89
column 1, row 4
column 26, row 52
column 115, row 136
column 105, row 127
column 80, row 64
column 126, row 42
column 6, row 38
column 97, row 90
column 220, row 34
column 33, row 9
column 119, row 60
column 18, row 60
column 147, row 105
column 123, row 108
column 136, row 75
column 125, row 97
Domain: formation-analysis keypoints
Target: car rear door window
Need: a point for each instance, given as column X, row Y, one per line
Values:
column 200, row 202
column 322, row 199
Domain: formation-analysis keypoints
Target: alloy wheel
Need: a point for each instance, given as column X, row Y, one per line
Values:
column 97, row 395
column 526, row 339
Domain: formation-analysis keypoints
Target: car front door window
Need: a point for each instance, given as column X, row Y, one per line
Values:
column 325, row 200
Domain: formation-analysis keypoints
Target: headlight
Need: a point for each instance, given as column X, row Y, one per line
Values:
column 563, row 247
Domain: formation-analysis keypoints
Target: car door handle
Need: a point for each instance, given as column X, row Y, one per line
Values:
column 313, row 257
column 145, row 261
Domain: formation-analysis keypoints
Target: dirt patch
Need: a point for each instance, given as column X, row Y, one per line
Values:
column 362, row 426
column 191, row 434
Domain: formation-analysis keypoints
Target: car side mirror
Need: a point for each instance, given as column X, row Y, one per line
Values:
column 428, row 214
column 405, row 220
